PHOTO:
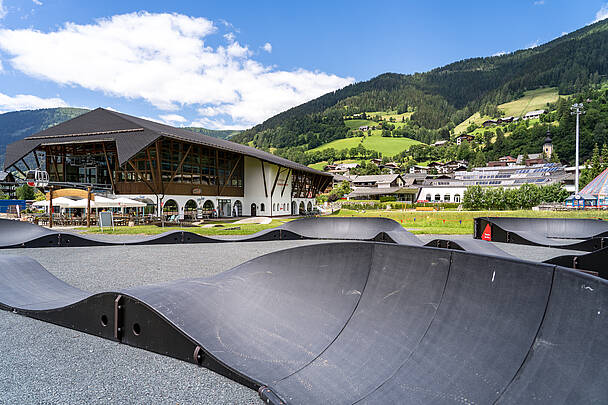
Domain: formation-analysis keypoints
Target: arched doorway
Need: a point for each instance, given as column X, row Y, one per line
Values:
column 309, row 207
column 170, row 209
column 302, row 208
column 294, row 208
column 190, row 210
column 208, row 209
column 237, row 210
column 254, row 210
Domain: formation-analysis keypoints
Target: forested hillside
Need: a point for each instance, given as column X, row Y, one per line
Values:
column 444, row 97
column 16, row 125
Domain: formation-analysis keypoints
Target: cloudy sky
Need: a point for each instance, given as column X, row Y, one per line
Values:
column 230, row 64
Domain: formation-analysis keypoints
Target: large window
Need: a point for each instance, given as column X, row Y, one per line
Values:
column 80, row 163
column 186, row 163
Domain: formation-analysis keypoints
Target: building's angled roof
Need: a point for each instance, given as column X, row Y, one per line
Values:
column 131, row 134
column 597, row 186
column 377, row 178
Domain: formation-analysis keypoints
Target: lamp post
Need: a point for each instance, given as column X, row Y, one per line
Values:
column 576, row 109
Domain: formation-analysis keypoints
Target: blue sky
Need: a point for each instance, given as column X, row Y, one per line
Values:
column 232, row 64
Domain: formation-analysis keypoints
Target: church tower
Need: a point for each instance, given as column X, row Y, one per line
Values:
column 548, row 146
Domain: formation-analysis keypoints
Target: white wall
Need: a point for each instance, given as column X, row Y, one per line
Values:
column 442, row 191
column 274, row 205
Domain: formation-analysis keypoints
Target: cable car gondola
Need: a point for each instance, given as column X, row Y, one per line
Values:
column 37, row 178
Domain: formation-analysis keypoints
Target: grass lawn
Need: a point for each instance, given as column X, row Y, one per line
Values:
column 532, row 100
column 459, row 222
column 355, row 124
column 448, row 222
column 245, row 229
column 386, row 146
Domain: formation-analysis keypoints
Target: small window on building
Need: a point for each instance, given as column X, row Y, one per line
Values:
column 428, row 197
column 262, row 207
column 437, row 197
column 446, row 198
column 457, row 198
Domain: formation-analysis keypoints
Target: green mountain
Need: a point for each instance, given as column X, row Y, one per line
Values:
column 216, row 133
column 444, row 97
column 16, row 125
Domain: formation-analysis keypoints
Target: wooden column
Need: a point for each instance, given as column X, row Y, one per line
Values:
column 88, row 207
column 50, row 207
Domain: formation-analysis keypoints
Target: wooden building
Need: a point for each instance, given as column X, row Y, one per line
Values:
column 147, row 160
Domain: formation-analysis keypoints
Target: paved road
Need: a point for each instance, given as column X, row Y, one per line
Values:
column 43, row 363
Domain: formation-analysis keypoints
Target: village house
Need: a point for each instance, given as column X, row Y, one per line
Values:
column 533, row 114
column 464, row 137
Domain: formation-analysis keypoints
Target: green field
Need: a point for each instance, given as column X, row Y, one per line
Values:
column 355, row 124
column 385, row 146
column 244, row 229
column 459, row 222
column 418, row 222
column 532, row 100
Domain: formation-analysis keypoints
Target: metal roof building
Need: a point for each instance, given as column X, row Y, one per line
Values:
column 139, row 158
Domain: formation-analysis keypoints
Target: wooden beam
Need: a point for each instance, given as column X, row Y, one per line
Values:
column 19, row 170
column 274, row 184
column 25, row 163
column 37, row 160
column 158, row 160
column 285, row 184
column 142, row 178
column 230, row 176
column 217, row 173
column 180, row 165
column 110, row 171
column 152, row 170
column 264, row 177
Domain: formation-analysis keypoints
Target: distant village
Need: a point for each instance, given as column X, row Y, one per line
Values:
column 446, row 182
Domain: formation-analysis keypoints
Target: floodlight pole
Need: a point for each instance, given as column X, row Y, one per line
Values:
column 577, row 109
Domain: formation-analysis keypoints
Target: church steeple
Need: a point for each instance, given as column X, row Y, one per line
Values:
column 548, row 145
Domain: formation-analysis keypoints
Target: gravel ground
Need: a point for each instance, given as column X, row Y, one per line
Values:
column 44, row 363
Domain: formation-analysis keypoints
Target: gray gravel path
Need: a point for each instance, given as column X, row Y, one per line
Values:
column 44, row 363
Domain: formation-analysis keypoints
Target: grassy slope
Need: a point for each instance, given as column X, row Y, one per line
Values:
column 355, row 124
column 386, row 146
column 532, row 100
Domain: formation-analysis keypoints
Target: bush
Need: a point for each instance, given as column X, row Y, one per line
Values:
column 524, row 197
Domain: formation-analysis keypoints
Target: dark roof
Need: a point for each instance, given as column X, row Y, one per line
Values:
column 131, row 134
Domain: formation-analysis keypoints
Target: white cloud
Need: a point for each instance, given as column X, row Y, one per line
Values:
column 539, row 2
column 37, row 2
column 172, row 118
column 533, row 44
column 2, row 10
column 163, row 59
column 499, row 53
column 602, row 13
column 267, row 47
column 28, row 102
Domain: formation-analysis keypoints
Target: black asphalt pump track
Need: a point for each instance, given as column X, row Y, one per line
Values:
column 16, row 234
column 357, row 322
